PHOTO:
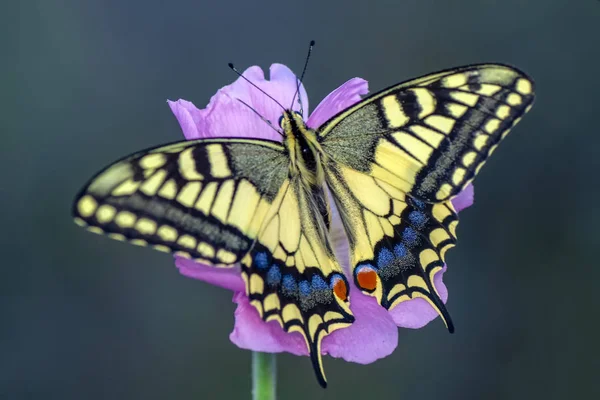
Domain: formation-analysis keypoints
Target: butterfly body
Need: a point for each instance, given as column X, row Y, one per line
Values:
column 305, row 151
column 391, row 163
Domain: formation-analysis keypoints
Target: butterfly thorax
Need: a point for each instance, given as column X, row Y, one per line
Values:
column 304, row 150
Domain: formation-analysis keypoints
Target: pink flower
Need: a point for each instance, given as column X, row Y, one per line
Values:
column 374, row 334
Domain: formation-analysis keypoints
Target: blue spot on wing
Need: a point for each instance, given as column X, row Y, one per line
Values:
column 261, row 260
column 384, row 258
column 410, row 237
column 273, row 276
column 418, row 219
column 289, row 283
column 304, row 287
column 400, row 250
column 318, row 283
column 418, row 204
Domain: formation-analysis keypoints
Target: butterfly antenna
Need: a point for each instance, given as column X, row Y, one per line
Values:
column 310, row 47
column 260, row 116
column 234, row 69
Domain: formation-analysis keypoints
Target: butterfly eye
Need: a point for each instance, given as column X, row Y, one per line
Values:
column 280, row 122
column 298, row 113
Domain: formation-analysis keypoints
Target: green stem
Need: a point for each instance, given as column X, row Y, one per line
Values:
column 263, row 376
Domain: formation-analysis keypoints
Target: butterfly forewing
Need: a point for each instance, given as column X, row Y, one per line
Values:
column 202, row 199
column 430, row 136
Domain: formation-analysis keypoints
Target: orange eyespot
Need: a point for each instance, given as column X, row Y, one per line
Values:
column 366, row 278
column 340, row 289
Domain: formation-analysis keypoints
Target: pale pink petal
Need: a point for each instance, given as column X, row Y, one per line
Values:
column 341, row 98
column 465, row 198
column 372, row 336
column 284, row 77
column 228, row 278
column 338, row 237
column 282, row 86
column 417, row 313
column 226, row 116
column 188, row 116
column 252, row 333
column 223, row 117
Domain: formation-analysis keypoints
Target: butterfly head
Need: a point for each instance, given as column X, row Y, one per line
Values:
column 290, row 120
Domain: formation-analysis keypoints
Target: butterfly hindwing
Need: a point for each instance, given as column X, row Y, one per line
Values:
column 292, row 275
column 397, row 243
column 203, row 199
column 394, row 161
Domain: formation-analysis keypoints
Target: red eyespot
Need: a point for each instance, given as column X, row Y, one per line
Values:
column 340, row 289
column 366, row 279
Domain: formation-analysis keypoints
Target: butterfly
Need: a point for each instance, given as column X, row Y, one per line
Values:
column 391, row 163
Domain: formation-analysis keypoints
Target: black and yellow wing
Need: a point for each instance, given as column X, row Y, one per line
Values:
column 397, row 158
column 224, row 201
column 203, row 199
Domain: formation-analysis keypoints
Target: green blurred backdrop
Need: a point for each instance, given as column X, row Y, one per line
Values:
column 85, row 82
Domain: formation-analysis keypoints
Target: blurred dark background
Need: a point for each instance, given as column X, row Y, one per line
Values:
column 85, row 82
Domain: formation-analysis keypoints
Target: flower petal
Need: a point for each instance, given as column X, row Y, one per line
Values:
column 372, row 336
column 188, row 116
column 252, row 333
column 417, row 313
column 228, row 278
column 464, row 199
column 341, row 98
column 282, row 86
column 339, row 239
column 285, row 78
column 226, row 116
column 223, row 117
